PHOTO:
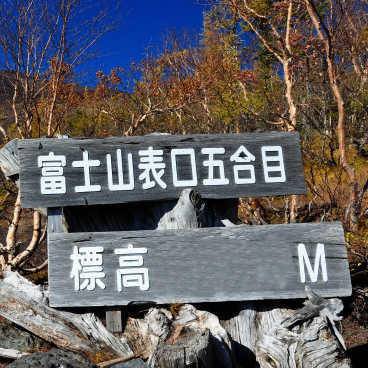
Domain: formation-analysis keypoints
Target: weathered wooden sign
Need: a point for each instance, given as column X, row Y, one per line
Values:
column 59, row 173
column 201, row 265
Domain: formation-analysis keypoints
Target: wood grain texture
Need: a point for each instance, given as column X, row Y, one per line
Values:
column 97, row 149
column 189, row 349
column 9, row 162
column 113, row 321
column 205, row 265
column 55, row 220
column 260, row 340
column 24, row 304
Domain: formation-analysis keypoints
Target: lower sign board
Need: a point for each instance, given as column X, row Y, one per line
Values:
column 200, row 265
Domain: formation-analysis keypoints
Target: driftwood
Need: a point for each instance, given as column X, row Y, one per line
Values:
column 24, row 304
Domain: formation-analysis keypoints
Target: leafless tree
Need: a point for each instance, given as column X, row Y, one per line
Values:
column 41, row 43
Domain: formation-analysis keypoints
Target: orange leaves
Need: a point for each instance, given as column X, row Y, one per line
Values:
column 247, row 76
column 281, row 4
column 107, row 83
column 296, row 38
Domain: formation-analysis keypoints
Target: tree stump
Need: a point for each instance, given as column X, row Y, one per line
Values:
column 191, row 349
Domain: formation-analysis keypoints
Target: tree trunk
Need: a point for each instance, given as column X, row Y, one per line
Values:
column 325, row 36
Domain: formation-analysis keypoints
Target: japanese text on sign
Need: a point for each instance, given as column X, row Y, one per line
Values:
column 152, row 169
column 87, row 268
column 88, row 272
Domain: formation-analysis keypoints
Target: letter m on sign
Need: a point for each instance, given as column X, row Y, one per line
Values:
column 319, row 260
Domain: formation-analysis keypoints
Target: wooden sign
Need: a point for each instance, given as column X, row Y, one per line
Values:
column 71, row 172
column 201, row 265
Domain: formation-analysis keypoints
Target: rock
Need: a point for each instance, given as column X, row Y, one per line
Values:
column 12, row 337
column 134, row 363
column 54, row 358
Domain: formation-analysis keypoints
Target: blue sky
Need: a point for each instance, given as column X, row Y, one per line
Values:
column 143, row 23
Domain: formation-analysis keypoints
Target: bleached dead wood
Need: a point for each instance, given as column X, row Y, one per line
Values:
column 24, row 304
column 11, row 353
column 145, row 334
column 316, row 306
column 189, row 349
column 214, row 350
column 169, row 341
column 184, row 214
column 273, row 336
column 9, row 163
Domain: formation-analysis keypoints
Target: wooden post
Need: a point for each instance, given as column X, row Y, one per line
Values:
column 55, row 220
column 114, row 321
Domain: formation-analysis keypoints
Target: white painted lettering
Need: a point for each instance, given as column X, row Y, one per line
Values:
column 120, row 185
column 86, row 164
column 211, row 164
column 133, row 274
column 278, row 168
column 52, row 179
column 150, row 161
column 184, row 152
column 87, row 266
column 320, row 260
column 242, row 155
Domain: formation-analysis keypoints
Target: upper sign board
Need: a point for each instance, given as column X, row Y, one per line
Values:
column 197, row 265
column 72, row 172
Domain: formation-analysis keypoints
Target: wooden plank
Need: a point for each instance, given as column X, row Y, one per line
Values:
column 9, row 159
column 267, row 164
column 201, row 265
